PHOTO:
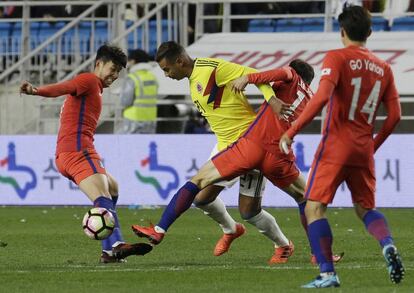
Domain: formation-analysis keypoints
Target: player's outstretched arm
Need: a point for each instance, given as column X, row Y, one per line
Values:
column 51, row 91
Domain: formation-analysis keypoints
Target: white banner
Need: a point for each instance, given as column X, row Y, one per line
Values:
column 265, row 51
column 150, row 169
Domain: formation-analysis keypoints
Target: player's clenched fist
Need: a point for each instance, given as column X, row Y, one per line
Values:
column 28, row 88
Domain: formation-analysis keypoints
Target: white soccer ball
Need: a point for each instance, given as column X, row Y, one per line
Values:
column 98, row 223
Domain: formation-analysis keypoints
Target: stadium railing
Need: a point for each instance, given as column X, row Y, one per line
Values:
column 48, row 50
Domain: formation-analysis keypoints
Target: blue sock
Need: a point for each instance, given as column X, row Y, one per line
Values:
column 116, row 236
column 181, row 202
column 377, row 226
column 320, row 237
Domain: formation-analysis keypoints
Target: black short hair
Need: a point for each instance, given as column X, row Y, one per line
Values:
column 356, row 21
column 112, row 53
column 170, row 51
column 303, row 69
column 139, row 56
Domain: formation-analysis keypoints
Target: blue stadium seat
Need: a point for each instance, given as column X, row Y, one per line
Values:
column 313, row 24
column 289, row 25
column 261, row 25
column 403, row 24
column 16, row 29
column 5, row 29
column 379, row 23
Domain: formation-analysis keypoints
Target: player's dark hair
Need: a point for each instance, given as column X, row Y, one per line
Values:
column 112, row 53
column 356, row 21
column 139, row 56
column 303, row 69
column 170, row 51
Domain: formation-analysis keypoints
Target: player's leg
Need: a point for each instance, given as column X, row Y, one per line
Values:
column 208, row 201
column 214, row 207
column 223, row 166
column 297, row 191
column 252, row 185
column 180, row 202
column 361, row 182
column 322, row 184
column 86, row 169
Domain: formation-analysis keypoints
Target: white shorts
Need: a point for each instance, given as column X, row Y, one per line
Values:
column 251, row 184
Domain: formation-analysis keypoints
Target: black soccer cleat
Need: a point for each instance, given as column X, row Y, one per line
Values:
column 124, row 250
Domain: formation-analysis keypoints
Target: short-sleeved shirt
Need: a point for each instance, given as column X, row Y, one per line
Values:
column 267, row 129
column 80, row 114
column 362, row 81
column 228, row 113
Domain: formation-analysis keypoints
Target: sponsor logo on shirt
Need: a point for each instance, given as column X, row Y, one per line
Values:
column 199, row 87
column 325, row 71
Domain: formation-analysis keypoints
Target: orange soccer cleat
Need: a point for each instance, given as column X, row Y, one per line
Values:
column 282, row 254
column 335, row 258
column 223, row 245
column 148, row 232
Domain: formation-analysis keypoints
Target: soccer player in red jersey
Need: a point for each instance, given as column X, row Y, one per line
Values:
column 76, row 157
column 354, row 82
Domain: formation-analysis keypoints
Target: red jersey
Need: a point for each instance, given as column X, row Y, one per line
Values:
column 80, row 112
column 289, row 87
column 362, row 81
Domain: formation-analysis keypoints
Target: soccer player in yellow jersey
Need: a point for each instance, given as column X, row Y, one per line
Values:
column 229, row 115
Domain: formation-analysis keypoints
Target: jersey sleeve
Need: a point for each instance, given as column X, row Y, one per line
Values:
column 227, row 71
column 390, row 92
column 331, row 67
column 78, row 86
column 280, row 74
column 57, row 89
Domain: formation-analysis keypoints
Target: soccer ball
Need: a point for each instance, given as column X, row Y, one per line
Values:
column 98, row 223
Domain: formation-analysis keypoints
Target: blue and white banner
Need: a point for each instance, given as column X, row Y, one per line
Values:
column 150, row 168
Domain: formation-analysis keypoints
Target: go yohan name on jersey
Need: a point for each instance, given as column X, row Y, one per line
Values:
column 358, row 64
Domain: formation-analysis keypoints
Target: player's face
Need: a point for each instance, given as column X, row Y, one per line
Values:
column 172, row 70
column 108, row 72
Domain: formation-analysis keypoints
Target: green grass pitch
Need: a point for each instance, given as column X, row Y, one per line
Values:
column 47, row 251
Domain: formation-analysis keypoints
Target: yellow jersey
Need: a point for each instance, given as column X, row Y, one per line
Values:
column 228, row 113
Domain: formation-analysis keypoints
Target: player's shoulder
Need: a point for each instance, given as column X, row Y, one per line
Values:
column 379, row 60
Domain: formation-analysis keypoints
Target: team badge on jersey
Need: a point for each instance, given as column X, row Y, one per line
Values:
column 325, row 71
column 199, row 87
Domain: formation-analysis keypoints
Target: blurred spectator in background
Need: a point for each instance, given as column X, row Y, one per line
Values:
column 139, row 95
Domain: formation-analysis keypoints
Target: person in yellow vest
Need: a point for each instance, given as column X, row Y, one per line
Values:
column 139, row 95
